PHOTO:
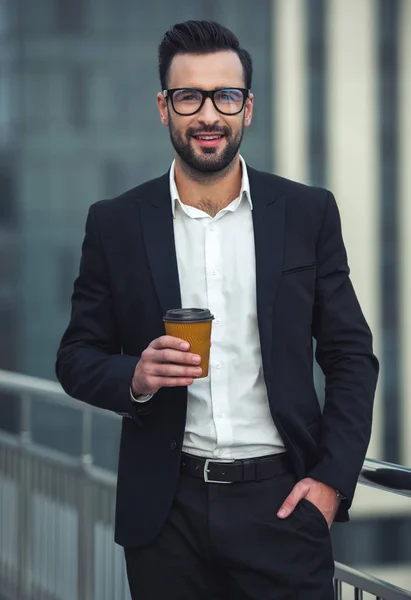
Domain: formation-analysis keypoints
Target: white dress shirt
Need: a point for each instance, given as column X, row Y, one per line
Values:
column 228, row 414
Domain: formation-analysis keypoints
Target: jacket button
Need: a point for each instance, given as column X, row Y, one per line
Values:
column 173, row 445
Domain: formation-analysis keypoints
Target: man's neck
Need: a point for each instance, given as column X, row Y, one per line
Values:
column 208, row 192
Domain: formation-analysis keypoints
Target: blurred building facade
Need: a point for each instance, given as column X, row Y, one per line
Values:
column 79, row 87
column 78, row 122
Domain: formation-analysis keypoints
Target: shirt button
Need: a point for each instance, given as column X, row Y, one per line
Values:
column 211, row 227
column 217, row 321
column 213, row 272
column 218, row 365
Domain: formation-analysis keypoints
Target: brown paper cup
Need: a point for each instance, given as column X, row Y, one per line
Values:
column 197, row 334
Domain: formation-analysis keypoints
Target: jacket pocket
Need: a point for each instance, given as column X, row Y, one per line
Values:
column 306, row 267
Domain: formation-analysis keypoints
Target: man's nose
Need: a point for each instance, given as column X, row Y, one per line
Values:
column 208, row 113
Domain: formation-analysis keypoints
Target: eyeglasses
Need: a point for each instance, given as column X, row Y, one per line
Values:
column 188, row 101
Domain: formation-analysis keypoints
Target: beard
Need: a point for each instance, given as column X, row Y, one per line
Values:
column 210, row 160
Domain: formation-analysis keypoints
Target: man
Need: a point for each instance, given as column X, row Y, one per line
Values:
column 266, row 256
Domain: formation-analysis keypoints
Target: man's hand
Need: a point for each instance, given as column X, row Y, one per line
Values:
column 166, row 362
column 322, row 496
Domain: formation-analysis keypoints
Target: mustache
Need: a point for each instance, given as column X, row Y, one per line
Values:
column 218, row 129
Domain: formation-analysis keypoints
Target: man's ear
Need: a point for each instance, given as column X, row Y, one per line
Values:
column 162, row 108
column 249, row 106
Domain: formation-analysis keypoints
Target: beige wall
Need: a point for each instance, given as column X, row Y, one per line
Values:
column 290, row 89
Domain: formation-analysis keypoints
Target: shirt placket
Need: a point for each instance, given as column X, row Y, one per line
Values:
column 214, row 248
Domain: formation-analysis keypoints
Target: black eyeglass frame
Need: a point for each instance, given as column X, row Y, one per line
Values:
column 168, row 94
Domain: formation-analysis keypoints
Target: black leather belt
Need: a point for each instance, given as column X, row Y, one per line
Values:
column 234, row 471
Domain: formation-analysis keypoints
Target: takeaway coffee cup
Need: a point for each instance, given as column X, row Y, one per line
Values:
column 192, row 325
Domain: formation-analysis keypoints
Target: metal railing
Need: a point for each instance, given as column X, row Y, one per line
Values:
column 390, row 478
column 360, row 582
column 56, row 511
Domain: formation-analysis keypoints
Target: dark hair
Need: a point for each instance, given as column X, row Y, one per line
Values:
column 200, row 37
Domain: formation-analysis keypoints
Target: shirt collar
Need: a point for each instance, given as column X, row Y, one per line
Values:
column 244, row 192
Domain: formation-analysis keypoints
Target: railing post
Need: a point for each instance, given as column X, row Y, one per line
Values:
column 337, row 589
column 85, row 515
column 24, row 500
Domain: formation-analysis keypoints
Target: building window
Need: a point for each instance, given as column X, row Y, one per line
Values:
column 78, row 105
column 70, row 15
column 8, row 202
column 388, row 16
column 316, row 71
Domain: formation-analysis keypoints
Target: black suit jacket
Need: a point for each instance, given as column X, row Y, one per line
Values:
column 128, row 279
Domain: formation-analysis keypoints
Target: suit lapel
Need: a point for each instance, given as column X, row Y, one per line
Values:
column 158, row 234
column 269, row 224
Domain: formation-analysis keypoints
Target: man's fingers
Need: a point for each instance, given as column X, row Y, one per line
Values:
column 167, row 350
column 297, row 493
column 170, row 370
column 168, row 341
column 166, row 362
column 176, row 381
column 170, row 356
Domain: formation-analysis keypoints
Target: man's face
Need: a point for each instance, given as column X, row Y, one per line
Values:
column 206, row 72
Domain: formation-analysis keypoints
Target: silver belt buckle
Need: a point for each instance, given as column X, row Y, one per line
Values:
column 207, row 470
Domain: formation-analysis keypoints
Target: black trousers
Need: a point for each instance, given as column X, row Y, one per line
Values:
column 225, row 542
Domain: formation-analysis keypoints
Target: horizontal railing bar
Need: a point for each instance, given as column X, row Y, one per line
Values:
column 102, row 476
column 26, row 383
column 50, row 391
column 369, row 583
column 386, row 476
column 60, row 459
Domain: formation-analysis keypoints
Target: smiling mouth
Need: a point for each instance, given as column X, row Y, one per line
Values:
column 208, row 137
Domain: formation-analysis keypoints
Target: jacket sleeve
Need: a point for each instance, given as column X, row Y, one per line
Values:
column 90, row 364
column 344, row 353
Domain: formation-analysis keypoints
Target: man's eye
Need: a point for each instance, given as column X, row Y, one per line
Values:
column 229, row 96
column 187, row 97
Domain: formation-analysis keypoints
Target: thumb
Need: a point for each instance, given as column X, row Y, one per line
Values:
column 289, row 504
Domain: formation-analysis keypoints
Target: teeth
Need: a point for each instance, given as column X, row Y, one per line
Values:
column 208, row 137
